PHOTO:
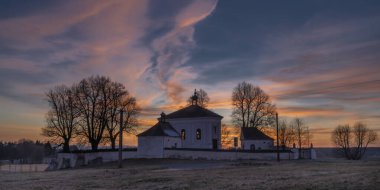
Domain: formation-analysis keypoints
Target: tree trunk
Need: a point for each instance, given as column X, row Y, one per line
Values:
column 94, row 146
column 113, row 143
column 300, row 150
column 66, row 146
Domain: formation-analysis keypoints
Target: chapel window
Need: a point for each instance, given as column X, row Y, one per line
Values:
column 183, row 134
column 198, row 134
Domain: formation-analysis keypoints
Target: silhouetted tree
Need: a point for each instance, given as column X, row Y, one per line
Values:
column 87, row 109
column 131, row 111
column 48, row 149
column 2, row 150
column 301, row 134
column 93, row 96
column 8, row 151
column 308, row 137
column 202, row 100
column 25, row 151
column 62, row 118
column 286, row 134
column 117, row 93
column 353, row 142
column 252, row 107
column 120, row 100
column 226, row 137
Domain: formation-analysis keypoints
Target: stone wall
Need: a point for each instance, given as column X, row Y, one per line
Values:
column 71, row 160
column 226, row 155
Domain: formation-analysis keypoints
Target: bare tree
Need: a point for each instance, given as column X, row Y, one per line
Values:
column 302, row 134
column 93, row 95
column 286, row 134
column 308, row 137
column 202, row 98
column 88, row 109
column 353, row 142
column 130, row 109
column 62, row 118
column 341, row 137
column 252, row 107
column 226, row 137
column 116, row 93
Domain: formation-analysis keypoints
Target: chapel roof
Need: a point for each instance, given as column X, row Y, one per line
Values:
column 193, row 111
column 252, row 133
column 162, row 128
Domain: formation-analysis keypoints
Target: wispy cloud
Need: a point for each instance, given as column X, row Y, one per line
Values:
column 63, row 43
column 172, row 50
column 316, row 61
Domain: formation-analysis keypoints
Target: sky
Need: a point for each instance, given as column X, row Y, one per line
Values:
column 318, row 60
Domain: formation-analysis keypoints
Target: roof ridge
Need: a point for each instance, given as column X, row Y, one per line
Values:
column 252, row 133
column 192, row 111
column 159, row 130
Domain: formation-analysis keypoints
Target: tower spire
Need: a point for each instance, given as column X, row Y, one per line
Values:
column 163, row 115
column 194, row 98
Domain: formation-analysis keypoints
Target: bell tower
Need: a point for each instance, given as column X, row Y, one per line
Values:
column 194, row 98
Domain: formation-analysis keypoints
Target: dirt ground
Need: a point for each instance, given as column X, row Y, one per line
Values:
column 201, row 174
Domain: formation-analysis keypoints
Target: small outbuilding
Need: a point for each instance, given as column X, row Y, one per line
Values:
column 253, row 139
column 152, row 142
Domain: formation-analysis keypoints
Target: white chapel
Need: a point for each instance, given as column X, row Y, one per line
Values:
column 192, row 127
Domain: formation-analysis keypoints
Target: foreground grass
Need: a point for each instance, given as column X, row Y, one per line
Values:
column 187, row 174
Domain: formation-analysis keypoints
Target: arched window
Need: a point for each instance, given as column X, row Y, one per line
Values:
column 198, row 134
column 183, row 134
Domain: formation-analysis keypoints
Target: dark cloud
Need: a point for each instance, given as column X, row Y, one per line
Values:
column 35, row 53
column 21, row 8
column 11, row 80
column 170, row 39
column 278, row 38
column 162, row 19
column 165, row 9
column 240, row 30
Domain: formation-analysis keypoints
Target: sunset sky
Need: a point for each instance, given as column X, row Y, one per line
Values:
column 318, row 60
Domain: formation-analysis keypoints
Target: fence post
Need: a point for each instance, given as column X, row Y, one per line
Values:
column 121, row 140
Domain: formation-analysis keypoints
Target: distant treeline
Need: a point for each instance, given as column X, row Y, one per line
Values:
column 25, row 151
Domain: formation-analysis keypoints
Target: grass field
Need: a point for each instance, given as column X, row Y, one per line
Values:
column 201, row 174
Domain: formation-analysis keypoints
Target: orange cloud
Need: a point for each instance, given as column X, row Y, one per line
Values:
column 196, row 12
column 147, row 122
column 309, row 111
column 14, row 132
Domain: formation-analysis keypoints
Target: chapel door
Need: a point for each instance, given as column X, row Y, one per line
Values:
column 214, row 143
column 253, row 147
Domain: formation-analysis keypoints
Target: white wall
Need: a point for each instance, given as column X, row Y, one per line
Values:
column 150, row 147
column 153, row 146
column 259, row 144
column 181, row 154
column 207, row 131
column 226, row 155
column 172, row 142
